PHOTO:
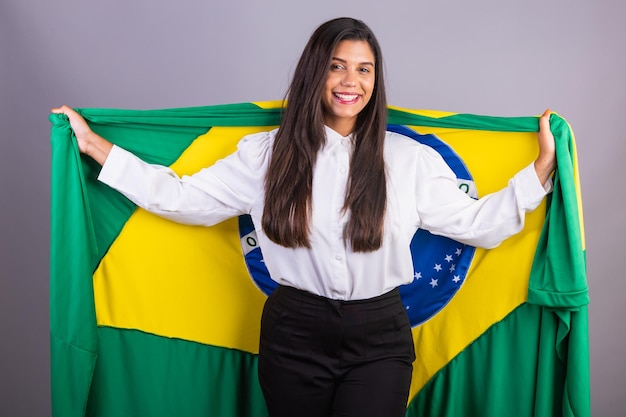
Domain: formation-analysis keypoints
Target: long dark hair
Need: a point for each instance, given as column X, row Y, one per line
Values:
column 289, row 180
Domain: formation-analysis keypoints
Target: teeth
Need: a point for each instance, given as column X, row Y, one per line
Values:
column 346, row 97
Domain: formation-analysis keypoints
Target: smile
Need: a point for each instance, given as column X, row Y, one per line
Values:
column 347, row 98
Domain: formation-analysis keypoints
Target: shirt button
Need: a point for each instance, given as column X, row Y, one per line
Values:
column 342, row 170
column 338, row 257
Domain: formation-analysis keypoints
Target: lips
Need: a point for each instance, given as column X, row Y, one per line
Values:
column 346, row 98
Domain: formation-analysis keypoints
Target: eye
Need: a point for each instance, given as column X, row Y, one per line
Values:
column 336, row 67
column 364, row 70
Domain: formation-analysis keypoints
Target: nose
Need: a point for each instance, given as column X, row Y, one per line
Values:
column 348, row 80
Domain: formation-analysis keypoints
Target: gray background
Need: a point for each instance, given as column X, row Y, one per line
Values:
column 505, row 58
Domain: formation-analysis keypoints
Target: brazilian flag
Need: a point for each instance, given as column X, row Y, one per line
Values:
column 153, row 318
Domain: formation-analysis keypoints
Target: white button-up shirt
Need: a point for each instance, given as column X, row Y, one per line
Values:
column 422, row 192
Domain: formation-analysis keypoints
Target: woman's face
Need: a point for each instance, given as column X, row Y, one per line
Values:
column 349, row 85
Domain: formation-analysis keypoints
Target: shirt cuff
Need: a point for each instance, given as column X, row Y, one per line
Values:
column 114, row 166
column 531, row 191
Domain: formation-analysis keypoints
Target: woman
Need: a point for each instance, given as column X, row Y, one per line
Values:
column 328, row 193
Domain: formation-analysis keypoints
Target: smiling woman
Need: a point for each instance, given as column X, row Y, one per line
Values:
column 335, row 337
column 302, row 135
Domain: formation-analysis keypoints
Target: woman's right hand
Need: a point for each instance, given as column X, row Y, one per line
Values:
column 89, row 142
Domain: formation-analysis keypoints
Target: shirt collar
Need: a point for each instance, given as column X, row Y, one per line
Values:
column 335, row 139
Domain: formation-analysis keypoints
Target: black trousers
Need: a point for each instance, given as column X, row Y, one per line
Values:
column 326, row 358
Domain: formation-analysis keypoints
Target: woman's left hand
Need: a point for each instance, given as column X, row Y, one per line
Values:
column 546, row 161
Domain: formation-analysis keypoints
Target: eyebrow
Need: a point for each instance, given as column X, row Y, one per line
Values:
column 344, row 61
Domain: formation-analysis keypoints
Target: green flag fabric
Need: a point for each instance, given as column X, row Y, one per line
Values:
column 151, row 318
